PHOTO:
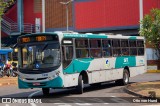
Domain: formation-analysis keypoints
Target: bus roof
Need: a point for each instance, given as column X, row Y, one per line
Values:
column 100, row 36
column 87, row 35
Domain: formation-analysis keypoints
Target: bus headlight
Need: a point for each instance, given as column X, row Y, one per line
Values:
column 57, row 73
column 51, row 78
column 22, row 78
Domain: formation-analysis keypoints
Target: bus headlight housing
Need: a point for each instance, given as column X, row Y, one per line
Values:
column 22, row 78
column 52, row 77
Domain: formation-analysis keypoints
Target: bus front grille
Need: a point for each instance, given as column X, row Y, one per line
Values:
column 31, row 79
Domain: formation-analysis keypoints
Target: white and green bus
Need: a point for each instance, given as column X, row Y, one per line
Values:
column 63, row 60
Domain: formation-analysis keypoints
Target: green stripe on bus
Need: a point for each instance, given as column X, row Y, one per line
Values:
column 78, row 65
column 123, row 61
column 84, row 36
column 133, row 38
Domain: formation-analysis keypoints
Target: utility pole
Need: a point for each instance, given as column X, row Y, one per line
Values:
column 67, row 19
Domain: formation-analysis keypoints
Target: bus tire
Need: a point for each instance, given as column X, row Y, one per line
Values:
column 45, row 91
column 80, row 85
column 125, row 79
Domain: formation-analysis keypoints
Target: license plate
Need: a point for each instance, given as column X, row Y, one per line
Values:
column 36, row 84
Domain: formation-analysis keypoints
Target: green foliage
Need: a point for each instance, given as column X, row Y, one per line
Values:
column 5, row 4
column 150, row 29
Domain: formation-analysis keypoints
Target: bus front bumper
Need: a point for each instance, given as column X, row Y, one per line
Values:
column 55, row 83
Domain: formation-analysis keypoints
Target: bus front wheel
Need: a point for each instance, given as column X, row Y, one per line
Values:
column 80, row 85
column 45, row 91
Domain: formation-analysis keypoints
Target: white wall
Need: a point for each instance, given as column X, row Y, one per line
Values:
column 151, row 54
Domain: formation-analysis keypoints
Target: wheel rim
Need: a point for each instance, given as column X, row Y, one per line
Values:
column 82, row 84
column 126, row 78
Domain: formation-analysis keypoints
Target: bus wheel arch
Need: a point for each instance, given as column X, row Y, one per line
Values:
column 84, row 75
column 127, row 68
column 82, row 79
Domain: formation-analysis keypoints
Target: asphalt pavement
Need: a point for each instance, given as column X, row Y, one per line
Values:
column 113, row 95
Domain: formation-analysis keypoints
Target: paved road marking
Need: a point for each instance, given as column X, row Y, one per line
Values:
column 83, row 104
column 106, row 103
column 97, row 100
column 150, row 105
column 113, row 96
column 7, row 104
column 118, row 100
column 62, row 104
column 80, row 102
column 33, row 104
column 30, row 96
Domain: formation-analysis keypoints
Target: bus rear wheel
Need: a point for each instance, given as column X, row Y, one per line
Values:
column 80, row 85
column 125, row 79
column 45, row 91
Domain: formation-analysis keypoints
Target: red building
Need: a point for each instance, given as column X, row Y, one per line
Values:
column 113, row 16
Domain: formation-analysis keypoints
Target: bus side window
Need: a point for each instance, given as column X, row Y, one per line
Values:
column 125, row 47
column 95, row 48
column 107, row 50
column 67, row 52
column 116, row 47
column 133, row 47
column 140, row 46
column 82, row 50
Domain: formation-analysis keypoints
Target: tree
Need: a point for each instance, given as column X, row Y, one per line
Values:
column 4, row 4
column 150, row 29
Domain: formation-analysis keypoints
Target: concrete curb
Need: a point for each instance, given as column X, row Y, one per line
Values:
column 153, row 71
column 134, row 93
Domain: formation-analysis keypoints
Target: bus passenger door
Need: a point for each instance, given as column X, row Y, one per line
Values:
column 67, row 56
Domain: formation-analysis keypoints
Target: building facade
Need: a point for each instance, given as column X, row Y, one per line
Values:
column 95, row 16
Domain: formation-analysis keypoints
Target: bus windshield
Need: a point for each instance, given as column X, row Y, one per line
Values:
column 40, row 56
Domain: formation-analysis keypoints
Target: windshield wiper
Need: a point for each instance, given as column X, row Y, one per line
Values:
column 45, row 46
